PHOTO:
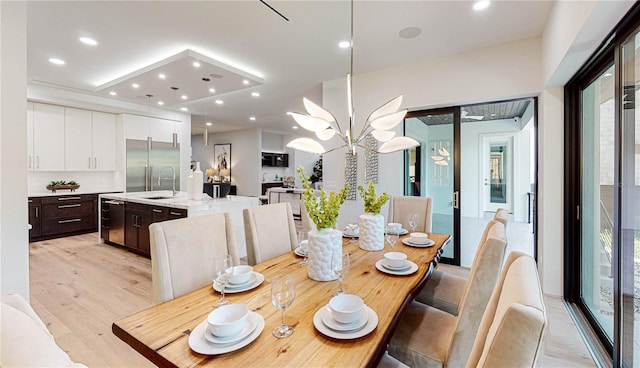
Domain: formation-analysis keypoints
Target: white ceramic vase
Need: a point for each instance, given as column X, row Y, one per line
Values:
column 371, row 228
column 190, row 185
column 322, row 244
column 198, row 182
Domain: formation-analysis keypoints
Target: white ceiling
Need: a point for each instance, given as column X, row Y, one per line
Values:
column 290, row 58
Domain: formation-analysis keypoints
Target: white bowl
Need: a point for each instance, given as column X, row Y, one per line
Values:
column 395, row 227
column 227, row 320
column 346, row 308
column 419, row 238
column 395, row 259
column 240, row 274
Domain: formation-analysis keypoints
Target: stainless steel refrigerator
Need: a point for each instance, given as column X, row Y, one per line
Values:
column 151, row 166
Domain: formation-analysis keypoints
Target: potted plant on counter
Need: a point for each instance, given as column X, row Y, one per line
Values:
column 371, row 223
column 61, row 184
column 323, row 242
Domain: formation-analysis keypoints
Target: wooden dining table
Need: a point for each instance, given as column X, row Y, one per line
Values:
column 161, row 333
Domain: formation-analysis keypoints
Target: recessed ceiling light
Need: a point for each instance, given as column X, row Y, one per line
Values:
column 160, row 103
column 184, row 109
column 135, row 85
column 295, row 127
column 196, row 64
column 252, row 118
column 184, row 97
column 410, row 32
column 161, row 76
column 88, row 41
column 209, row 123
column 255, row 94
column 56, row 61
column 212, row 90
column 480, row 5
column 112, row 93
column 219, row 102
column 344, row 44
column 245, row 82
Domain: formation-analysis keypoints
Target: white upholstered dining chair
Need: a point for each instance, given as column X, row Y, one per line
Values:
column 509, row 333
column 452, row 335
column 270, row 231
column 502, row 215
column 182, row 253
column 402, row 206
column 444, row 290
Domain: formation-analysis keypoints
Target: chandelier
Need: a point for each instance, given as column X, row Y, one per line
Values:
column 378, row 124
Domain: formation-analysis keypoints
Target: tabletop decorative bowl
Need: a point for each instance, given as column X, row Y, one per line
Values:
column 55, row 187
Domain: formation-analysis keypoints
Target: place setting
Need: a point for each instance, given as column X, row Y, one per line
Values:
column 352, row 230
column 233, row 279
column 395, row 263
column 302, row 250
column 418, row 240
column 345, row 317
column 227, row 328
column 396, row 228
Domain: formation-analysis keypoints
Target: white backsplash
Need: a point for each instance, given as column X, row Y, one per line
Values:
column 90, row 181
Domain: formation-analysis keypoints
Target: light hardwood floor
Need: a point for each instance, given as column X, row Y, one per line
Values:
column 79, row 287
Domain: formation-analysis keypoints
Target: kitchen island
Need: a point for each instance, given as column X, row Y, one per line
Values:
column 124, row 218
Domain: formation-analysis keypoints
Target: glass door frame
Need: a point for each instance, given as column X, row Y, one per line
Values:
column 455, row 110
column 609, row 53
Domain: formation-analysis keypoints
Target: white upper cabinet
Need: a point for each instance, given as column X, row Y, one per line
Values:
column 78, row 133
column 104, row 141
column 90, row 138
column 142, row 127
column 30, row 158
column 48, row 137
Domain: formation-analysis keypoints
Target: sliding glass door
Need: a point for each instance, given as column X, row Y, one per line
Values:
column 431, row 171
column 602, row 196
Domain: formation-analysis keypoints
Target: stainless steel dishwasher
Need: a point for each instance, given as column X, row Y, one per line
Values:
column 116, row 221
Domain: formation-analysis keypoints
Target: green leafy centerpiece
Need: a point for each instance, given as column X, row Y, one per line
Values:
column 324, row 240
column 61, row 184
column 371, row 223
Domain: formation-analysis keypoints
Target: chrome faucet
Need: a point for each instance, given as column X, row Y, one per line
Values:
column 173, row 170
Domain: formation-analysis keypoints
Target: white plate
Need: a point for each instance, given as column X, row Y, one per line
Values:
column 299, row 252
column 403, row 232
column 429, row 243
column 371, row 324
column 409, row 271
column 406, row 266
column 259, row 278
column 199, row 344
column 330, row 322
column 252, row 279
column 345, row 235
column 250, row 324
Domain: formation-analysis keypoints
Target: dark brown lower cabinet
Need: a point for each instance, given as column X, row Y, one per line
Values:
column 58, row 216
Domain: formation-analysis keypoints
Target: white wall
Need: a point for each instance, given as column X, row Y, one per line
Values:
column 14, row 236
column 245, row 157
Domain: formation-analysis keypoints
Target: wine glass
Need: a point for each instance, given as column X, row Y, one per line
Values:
column 352, row 228
column 413, row 221
column 303, row 243
column 283, row 292
column 391, row 235
column 340, row 264
column 222, row 269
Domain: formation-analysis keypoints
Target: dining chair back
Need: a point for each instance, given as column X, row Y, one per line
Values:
column 444, row 290
column 513, row 325
column 270, row 231
column 428, row 336
column 182, row 253
column 502, row 215
column 403, row 206
column 306, row 222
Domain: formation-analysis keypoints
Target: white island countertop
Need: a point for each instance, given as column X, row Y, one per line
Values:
column 234, row 205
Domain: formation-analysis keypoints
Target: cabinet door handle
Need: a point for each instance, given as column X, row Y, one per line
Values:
column 157, row 211
column 37, row 162
column 175, row 213
column 89, row 163
column 95, row 163
column 70, row 205
column 69, row 198
column 68, row 221
column 37, row 212
column 29, row 161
